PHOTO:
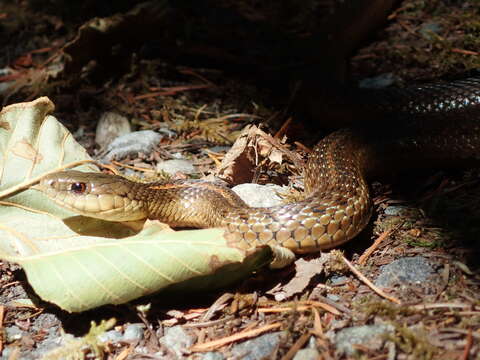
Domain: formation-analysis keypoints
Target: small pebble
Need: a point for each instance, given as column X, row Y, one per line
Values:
column 333, row 297
column 307, row 354
column 259, row 195
column 261, row 347
column 338, row 280
column 378, row 82
column 110, row 126
column 407, row 270
column 211, row 355
column 218, row 149
column 177, row 340
column 112, row 336
column 177, row 166
column 131, row 144
column 7, row 351
column 13, row 333
column 5, row 85
column 371, row 336
column 133, row 332
column 429, row 29
column 395, row 210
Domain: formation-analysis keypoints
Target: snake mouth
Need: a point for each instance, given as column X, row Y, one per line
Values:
column 91, row 195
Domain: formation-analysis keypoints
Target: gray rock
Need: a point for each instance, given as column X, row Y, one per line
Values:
column 371, row 336
column 112, row 336
column 312, row 343
column 377, row 82
column 13, row 333
column 7, row 352
column 218, row 149
column 407, row 270
column 213, row 355
column 53, row 338
column 261, row 347
column 338, row 279
column 5, row 85
column 131, row 144
column 177, row 340
column 80, row 133
column 177, row 155
column 259, row 195
column 45, row 320
column 133, row 332
column 333, row 297
column 110, row 126
column 48, row 347
column 173, row 166
column 144, row 350
column 429, row 29
column 310, row 351
column 164, row 130
column 307, row 354
column 394, row 210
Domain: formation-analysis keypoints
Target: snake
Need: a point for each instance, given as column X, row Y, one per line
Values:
column 435, row 124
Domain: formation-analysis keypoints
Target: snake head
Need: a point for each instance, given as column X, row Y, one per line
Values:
column 97, row 195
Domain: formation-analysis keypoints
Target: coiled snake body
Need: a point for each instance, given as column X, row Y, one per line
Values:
column 427, row 125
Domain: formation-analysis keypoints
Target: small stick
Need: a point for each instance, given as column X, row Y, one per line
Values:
column 377, row 243
column 468, row 346
column 211, row 345
column 283, row 129
column 136, row 168
column 465, row 52
column 2, row 313
column 301, row 306
column 297, row 346
column 369, row 283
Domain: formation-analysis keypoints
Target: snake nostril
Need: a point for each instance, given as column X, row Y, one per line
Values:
column 78, row 187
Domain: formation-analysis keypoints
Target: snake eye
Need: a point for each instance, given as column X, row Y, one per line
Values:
column 78, row 187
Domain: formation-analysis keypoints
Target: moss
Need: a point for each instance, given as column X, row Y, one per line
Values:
column 77, row 348
column 384, row 309
column 335, row 263
column 429, row 244
column 414, row 342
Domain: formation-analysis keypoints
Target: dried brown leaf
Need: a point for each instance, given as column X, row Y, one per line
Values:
column 249, row 150
column 305, row 271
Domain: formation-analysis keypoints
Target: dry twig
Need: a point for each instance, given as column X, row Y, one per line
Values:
column 215, row 344
column 377, row 243
column 369, row 283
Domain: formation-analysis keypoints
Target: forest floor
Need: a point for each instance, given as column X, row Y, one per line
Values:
column 421, row 244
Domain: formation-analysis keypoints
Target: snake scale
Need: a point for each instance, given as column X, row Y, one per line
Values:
column 435, row 124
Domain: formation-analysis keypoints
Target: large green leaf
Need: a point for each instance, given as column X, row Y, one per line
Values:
column 77, row 262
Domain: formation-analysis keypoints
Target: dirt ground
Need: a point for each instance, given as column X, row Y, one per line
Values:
column 431, row 217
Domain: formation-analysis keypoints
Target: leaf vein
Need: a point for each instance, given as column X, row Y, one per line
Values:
column 148, row 265
column 95, row 280
column 123, row 274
